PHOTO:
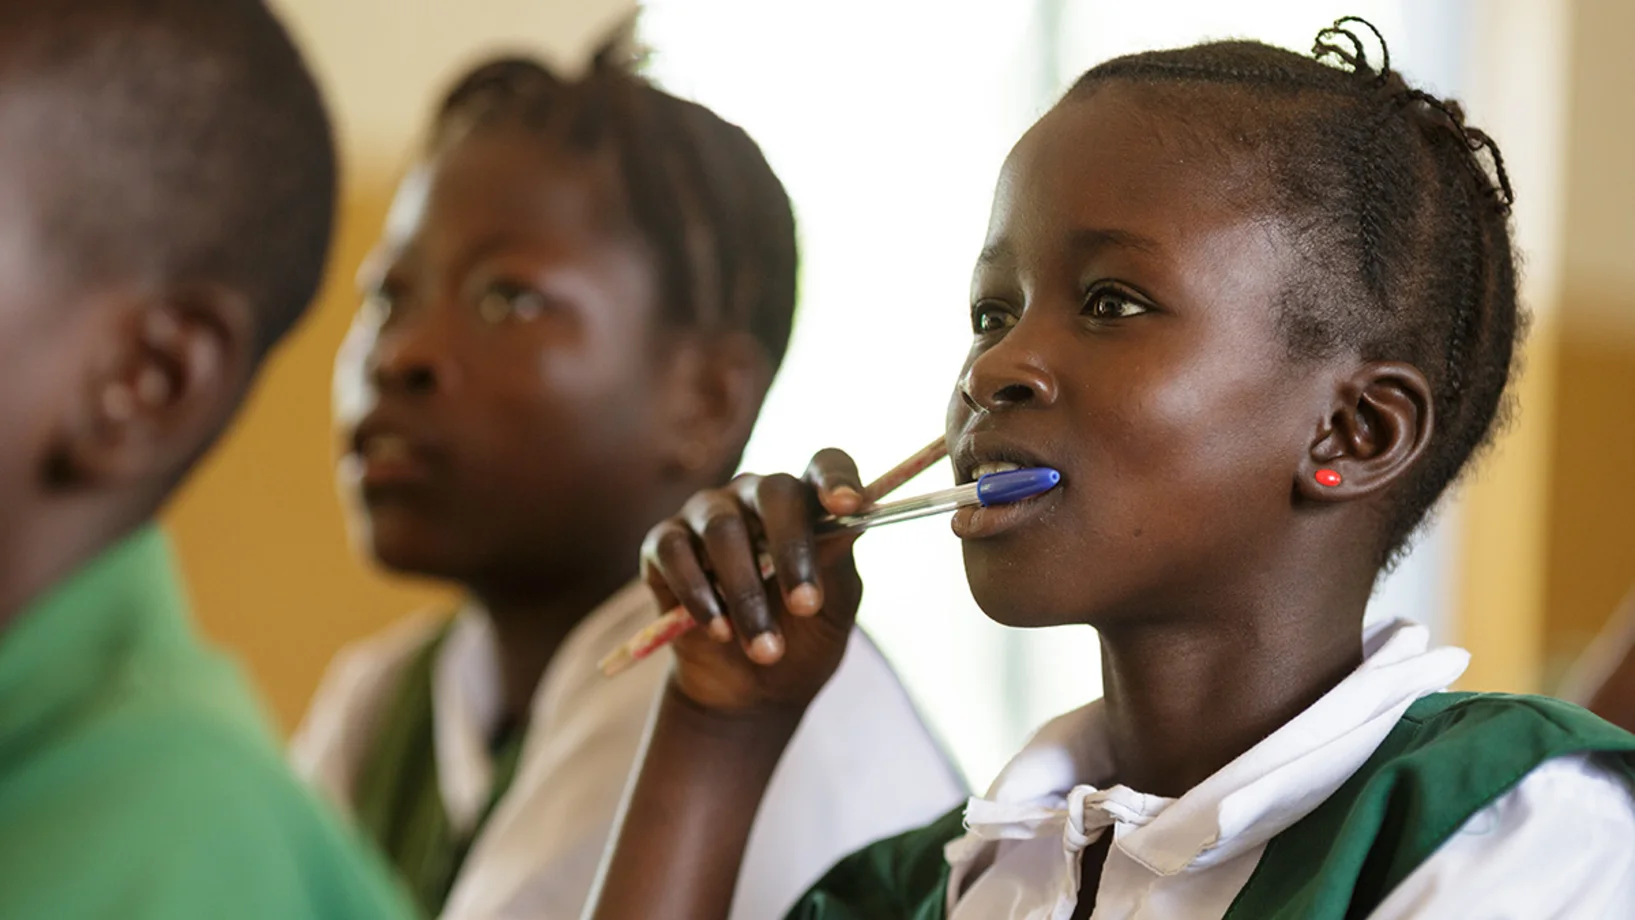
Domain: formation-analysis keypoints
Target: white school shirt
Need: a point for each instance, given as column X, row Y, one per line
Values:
column 1560, row 844
column 861, row 766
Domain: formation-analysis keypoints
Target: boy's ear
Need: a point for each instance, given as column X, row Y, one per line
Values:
column 168, row 375
column 716, row 388
column 1380, row 424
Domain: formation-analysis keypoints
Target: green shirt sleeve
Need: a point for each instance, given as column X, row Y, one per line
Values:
column 155, row 821
column 899, row 878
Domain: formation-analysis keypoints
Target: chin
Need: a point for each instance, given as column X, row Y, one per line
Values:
column 1023, row 595
column 405, row 545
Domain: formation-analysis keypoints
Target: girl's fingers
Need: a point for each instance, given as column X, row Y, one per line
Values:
column 786, row 508
column 834, row 474
column 719, row 521
column 671, row 568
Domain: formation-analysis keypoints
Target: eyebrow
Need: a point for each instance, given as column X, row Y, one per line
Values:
column 1086, row 240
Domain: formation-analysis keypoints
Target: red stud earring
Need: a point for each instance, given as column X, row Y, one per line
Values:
column 1327, row 477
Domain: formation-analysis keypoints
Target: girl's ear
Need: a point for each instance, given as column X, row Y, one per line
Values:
column 715, row 389
column 1380, row 424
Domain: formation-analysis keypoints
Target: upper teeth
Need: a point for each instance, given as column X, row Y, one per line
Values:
column 386, row 447
column 984, row 469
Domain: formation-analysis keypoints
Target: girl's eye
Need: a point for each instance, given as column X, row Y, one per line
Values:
column 508, row 300
column 379, row 304
column 989, row 317
column 1109, row 303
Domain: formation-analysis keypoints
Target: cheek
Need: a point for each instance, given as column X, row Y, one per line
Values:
column 1206, row 438
column 560, row 415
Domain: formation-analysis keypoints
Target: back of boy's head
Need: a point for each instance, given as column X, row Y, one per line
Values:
column 171, row 142
column 1401, row 229
column 700, row 193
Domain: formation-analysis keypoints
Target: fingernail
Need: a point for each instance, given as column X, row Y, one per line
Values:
column 720, row 629
column 805, row 600
column 844, row 500
column 767, row 648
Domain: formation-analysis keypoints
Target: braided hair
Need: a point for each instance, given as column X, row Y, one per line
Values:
column 1400, row 217
column 699, row 190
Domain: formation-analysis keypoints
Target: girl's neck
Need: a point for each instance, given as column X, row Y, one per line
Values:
column 1188, row 695
column 530, row 625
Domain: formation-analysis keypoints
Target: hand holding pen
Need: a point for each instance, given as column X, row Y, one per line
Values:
column 767, row 561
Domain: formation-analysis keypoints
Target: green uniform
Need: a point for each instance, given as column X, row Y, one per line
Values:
column 138, row 775
column 398, row 800
column 1448, row 757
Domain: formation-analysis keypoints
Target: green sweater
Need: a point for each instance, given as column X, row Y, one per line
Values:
column 1449, row 756
column 138, row 776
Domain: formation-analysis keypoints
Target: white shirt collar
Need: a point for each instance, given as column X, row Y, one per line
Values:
column 467, row 695
column 1049, row 788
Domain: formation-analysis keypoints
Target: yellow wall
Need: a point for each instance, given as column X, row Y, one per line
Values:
column 1591, row 531
column 258, row 528
column 1548, row 544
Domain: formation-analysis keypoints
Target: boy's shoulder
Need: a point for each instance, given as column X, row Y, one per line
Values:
column 168, row 797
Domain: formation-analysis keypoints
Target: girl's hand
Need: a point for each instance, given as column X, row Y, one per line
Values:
column 763, row 646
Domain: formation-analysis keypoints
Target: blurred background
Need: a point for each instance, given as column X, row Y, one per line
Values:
column 887, row 120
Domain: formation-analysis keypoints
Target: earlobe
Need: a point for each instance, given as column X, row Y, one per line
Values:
column 1381, row 423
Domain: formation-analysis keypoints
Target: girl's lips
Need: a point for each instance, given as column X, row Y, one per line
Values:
column 979, row 523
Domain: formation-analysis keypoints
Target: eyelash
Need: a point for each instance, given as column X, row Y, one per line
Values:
column 1104, row 292
column 984, row 309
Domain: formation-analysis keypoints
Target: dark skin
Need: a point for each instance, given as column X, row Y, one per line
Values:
column 112, row 390
column 514, row 414
column 1125, row 334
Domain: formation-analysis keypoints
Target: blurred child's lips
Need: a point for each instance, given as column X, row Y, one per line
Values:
column 387, row 460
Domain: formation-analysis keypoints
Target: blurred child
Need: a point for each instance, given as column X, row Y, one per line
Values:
column 1260, row 312
column 167, row 177
column 581, row 298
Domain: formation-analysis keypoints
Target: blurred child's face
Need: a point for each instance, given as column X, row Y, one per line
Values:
column 1125, row 308
column 496, row 398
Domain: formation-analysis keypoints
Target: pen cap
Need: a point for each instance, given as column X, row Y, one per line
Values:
column 1015, row 485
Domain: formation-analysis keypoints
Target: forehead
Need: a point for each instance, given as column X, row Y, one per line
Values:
column 1159, row 163
column 509, row 184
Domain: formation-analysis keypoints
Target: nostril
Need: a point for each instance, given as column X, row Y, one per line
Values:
column 419, row 380
column 1013, row 394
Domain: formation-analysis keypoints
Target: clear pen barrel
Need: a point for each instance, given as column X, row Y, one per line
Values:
column 906, row 510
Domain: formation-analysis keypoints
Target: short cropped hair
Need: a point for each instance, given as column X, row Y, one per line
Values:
column 176, row 140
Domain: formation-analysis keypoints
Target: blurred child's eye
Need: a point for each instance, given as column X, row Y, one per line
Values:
column 378, row 304
column 988, row 316
column 1111, row 303
column 508, row 300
